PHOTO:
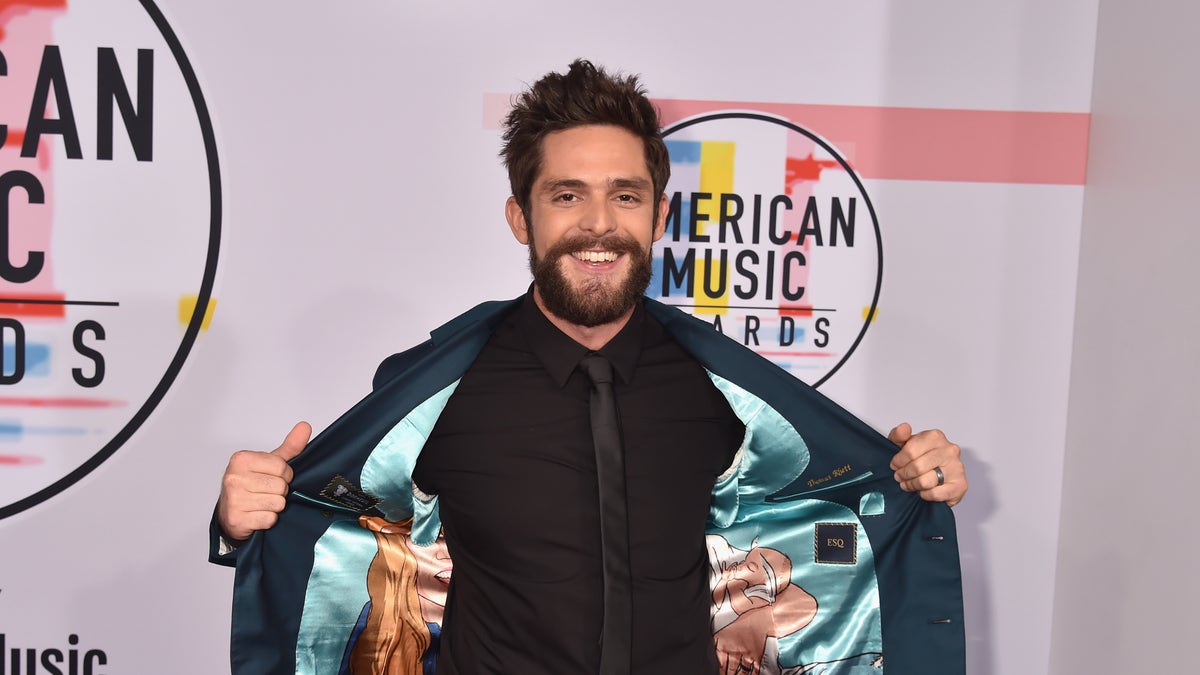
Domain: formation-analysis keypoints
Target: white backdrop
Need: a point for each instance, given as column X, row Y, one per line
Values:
column 363, row 206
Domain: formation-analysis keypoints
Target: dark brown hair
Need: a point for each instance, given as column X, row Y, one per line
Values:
column 583, row 95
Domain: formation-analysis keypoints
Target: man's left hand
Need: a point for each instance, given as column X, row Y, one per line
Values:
column 929, row 464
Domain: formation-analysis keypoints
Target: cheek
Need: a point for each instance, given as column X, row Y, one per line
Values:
column 642, row 229
column 545, row 234
column 546, row 244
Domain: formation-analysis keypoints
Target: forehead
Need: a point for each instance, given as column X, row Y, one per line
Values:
column 592, row 153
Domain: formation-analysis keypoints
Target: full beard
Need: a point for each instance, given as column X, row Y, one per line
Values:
column 596, row 301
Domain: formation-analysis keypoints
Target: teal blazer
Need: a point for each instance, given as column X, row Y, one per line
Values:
column 810, row 481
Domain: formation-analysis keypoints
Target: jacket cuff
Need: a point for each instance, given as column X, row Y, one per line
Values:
column 221, row 550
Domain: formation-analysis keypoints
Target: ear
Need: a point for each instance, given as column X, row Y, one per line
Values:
column 660, row 221
column 516, row 220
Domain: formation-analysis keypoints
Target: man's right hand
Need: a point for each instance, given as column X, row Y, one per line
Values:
column 255, row 486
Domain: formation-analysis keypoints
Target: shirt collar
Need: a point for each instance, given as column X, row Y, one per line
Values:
column 560, row 354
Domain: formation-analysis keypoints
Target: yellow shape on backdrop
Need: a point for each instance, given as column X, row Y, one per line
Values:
column 716, row 178
column 187, row 307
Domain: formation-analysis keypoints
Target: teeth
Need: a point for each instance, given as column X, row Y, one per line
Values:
column 595, row 256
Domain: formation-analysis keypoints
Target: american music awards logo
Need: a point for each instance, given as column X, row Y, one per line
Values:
column 771, row 238
column 110, row 218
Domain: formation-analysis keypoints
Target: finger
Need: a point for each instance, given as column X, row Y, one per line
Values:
column 919, row 444
column 924, row 481
column 252, row 521
column 265, row 474
column 948, row 456
column 728, row 663
column 267, row 484
column 256, row 483
column 952, row 471
column 924, row 463
column 733, row 663
column 951, row 493
column 239, row 518
column 235, row 532
column 900, row 433
column 294, row 442
column 256, row 503
column 248, row 462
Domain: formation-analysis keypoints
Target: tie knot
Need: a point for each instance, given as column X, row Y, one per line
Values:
column 598, row 368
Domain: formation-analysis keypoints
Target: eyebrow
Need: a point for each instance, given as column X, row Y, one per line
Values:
column 630, row 183
column 577, row 184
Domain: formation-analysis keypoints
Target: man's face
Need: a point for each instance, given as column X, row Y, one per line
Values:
column 592, row 218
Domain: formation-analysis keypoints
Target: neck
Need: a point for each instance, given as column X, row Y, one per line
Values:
column 592, row 337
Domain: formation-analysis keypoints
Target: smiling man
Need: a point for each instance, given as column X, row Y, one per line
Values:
column 596, row 213
column 485, row 433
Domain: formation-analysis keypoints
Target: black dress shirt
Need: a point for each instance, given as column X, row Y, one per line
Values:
column 512, row 462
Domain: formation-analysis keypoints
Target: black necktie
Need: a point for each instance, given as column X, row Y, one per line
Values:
column 616, row 637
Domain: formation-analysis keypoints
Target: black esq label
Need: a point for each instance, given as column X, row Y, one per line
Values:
column 836, row 543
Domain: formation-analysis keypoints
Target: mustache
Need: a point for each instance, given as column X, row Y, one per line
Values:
column 614, row 243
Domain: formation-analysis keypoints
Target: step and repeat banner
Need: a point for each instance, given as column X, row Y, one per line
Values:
column 216, row 218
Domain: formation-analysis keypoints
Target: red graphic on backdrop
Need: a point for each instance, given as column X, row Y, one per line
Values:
column 88, row 348
column 36, row 299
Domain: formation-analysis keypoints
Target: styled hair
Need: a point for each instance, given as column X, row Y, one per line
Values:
column 583, row 95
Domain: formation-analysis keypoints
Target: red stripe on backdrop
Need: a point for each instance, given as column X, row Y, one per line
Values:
column 14, row 460
column 43, row 305
column 928, row 144
column 11, row 8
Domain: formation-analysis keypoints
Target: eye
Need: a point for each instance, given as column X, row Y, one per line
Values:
column 567, row 197
column 627, row 198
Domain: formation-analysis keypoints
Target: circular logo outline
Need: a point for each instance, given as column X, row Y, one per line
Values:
column 762, row 117
column 203, row 296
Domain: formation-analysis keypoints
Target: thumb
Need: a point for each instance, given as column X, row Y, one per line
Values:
column 295, row 441
column 901, row 433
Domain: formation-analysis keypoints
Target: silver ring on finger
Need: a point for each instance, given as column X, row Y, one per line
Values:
column 937, row 471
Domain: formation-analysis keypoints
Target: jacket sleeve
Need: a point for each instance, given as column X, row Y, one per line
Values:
column 217, row 553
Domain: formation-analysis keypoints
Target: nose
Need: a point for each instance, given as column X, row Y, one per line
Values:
column 598, row 217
